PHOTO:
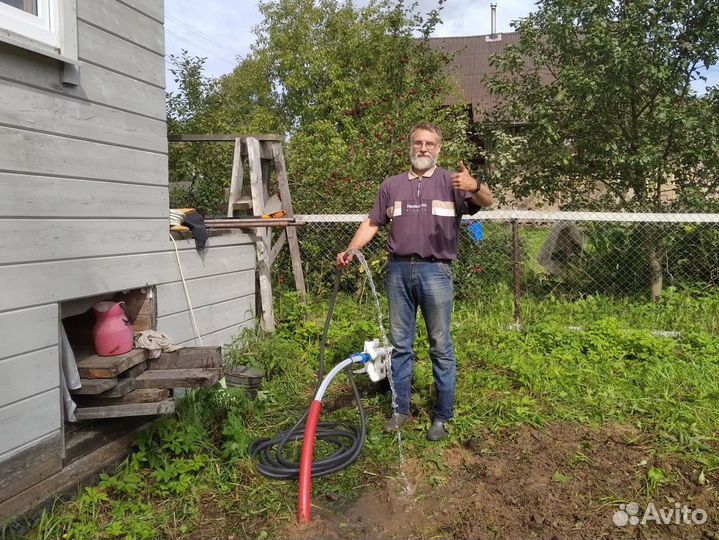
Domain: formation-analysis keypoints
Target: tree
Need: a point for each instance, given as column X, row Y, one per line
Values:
column 598, row 110
column 350, row 82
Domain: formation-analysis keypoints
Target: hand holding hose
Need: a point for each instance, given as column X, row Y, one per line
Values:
column 344, row 258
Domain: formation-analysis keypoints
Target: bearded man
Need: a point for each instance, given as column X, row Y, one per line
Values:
column 424, row 207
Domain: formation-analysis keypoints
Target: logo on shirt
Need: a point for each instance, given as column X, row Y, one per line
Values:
column 416, row 208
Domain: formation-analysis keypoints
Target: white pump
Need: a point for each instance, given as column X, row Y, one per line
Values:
column 379, row 360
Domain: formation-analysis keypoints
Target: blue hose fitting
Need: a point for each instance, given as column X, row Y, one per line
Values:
column 360, row 358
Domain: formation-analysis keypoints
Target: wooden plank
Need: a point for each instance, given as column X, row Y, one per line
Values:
column 188, row 357
column 204, row 291
column 151, row 8
column 143, row 395
column 227, row 137
column 29, row 419
column 236, row 178
column 263, row 235
column 83, row 438
column 40, row 460
column 94, row 386
column 277, row 247
column 98, row 84
column 105, row 367
column 28, row 284
column 75, row 238
column 142, row 307
column 224, row 336
column 29, row 374
column 124, row 21
column 166, row 406
column 39, row 153
column 69, row 477
column 35, row 109
column 286, row 198
column 135, row 370
column 103, row 49
column 124, row 386
column 209, row 318
column 27, row 329
column 67, row 197
column 178, row 378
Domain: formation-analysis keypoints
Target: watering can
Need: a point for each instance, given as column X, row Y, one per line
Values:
column 113, row 329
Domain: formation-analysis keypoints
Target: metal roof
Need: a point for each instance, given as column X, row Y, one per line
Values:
column 471, row 64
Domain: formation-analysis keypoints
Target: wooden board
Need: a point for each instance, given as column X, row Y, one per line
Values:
column 99, row 85
column 29, row 284
column 28, row 374
column 204, row 291
column 188, row 357
column 94, row 386
column 166, row 406
column 151, row 8
column 101, row 48
column 141, row 305
column 27, row 329
column 69, row 477
column 224, row 336
column 70, row 238
column 123, row 21
column 209, row 318
column 79, row 118
column 25, row 421
column 74, row 198
column 178, row 378
column 40, row 153
column 135, row 370
column 141, row 395
column 42, row 459
column 125, row 385
column 105, row 367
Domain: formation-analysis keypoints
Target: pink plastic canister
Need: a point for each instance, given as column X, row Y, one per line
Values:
column 113, row 330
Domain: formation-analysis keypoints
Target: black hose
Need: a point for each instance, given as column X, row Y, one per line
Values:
column 348, row 440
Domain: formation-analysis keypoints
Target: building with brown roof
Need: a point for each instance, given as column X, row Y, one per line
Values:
column 472, row 63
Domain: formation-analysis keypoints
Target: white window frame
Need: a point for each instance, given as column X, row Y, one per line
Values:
column 52, row 32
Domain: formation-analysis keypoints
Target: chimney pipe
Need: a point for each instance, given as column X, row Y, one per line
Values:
column 493, row 5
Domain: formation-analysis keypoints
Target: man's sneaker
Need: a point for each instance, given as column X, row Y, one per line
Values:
column 438, row 431
column 395, row 422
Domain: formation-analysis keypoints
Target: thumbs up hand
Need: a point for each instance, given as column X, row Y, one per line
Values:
column 462, row 180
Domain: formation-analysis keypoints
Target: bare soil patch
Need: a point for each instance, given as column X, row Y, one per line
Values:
column 564, row 481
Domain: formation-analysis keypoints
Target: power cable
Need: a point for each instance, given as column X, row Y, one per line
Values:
column 202, row 34
column 215, row 53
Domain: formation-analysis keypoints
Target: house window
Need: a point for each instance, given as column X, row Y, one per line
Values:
column 35, row 20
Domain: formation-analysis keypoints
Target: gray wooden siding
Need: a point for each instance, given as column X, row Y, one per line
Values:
column 84, row 208
column 34, row 283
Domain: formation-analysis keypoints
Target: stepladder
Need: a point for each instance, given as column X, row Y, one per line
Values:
column 264, row 154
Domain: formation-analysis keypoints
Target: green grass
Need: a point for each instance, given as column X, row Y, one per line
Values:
column 610, row 369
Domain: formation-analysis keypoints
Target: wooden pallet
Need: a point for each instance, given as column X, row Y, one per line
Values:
column 136, row 385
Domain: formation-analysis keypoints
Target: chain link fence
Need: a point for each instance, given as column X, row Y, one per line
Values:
column 524, row 259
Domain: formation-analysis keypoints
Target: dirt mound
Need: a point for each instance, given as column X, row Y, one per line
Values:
column 565, row 481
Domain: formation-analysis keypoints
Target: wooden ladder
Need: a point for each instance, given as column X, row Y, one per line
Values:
column 263, row 151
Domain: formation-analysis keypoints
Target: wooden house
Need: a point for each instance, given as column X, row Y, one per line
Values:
column 84, row 214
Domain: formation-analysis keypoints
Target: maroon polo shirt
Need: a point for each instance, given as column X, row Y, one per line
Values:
column 424, row 213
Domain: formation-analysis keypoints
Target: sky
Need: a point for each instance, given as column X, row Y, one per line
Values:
column 221, row 30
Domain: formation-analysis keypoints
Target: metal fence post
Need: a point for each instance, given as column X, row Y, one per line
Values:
column 516, row 257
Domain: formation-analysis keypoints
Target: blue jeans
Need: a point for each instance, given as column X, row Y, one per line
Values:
column 428, row 286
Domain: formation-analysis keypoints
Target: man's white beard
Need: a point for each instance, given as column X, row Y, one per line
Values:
column 423, row 163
